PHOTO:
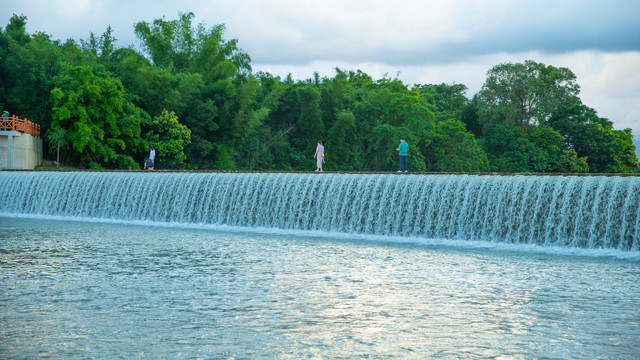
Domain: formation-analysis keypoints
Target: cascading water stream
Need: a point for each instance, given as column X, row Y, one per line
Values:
column 591, row 212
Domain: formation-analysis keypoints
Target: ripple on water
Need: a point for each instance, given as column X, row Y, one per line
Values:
column 76, row 289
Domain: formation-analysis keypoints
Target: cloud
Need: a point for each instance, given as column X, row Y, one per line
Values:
column 426, row 32
column 611, row 84
column 73, row 8
column 403, row 33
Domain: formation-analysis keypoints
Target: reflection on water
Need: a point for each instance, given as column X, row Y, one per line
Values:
column 106, row 291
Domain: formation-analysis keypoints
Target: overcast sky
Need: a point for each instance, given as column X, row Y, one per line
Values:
column 425, row 41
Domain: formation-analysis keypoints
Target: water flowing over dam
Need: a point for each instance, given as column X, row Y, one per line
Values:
column 588, row 212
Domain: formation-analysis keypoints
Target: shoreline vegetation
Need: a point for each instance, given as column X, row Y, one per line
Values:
column 66, row 169
column 192, row 95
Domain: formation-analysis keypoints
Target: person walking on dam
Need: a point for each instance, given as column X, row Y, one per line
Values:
column 152, row 156
column 402, row 152
column 319, row 156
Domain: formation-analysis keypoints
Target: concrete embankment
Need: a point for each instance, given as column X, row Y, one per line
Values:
column 19, row 150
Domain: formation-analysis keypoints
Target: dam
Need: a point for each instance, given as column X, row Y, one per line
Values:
column 592, row 212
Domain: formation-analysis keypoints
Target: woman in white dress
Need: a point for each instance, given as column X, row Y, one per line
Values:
column 319, row 156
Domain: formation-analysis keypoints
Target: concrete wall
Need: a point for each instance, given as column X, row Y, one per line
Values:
column 19, row 151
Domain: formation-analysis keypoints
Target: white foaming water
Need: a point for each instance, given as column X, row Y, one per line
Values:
column 555, row 212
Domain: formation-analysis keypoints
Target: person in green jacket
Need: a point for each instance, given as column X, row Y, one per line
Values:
column 402, row 151
column 5, row 120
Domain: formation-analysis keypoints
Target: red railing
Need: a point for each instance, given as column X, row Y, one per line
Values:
column 13, row 123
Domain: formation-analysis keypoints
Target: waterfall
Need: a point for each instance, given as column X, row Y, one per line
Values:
column 590, row 212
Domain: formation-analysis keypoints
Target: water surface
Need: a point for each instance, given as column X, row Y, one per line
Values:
column 99, row 290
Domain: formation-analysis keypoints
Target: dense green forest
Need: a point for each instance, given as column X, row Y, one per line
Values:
column 192, row 94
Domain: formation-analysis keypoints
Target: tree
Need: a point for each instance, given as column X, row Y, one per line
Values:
column 200, row 117
column 522, row 156
column 309, row 124
column 28, row 66
column 170, row 44
column 157, row 89
column 445, row 101
column 560, row 159
column 169, row 138
column 283, row 126
column 527, row 93
column 99, row 50
column 455, row 149
column 258, row 98
column 393, row 111
column 58, row 138
column 569, row 162
column 17, row 29
column 340, row 140
column 471, row 118
column 606, row 150
column 176, row 46
column 102, row 125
